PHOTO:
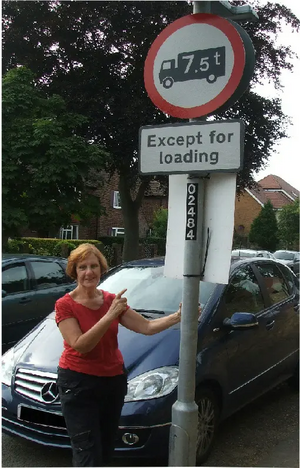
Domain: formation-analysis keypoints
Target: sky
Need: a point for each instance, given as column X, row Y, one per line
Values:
column 285, row 163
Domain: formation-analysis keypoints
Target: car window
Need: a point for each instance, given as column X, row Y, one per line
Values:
column 274, row 281
column 290, row 278
column 48, row 274
column 284, row 255
column 149, row 289
column 14, row 279
column 243, row 293
column 63, row 263
column 260, row 254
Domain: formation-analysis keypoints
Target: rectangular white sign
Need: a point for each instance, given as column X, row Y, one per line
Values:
column 219, row 203
column 191, row 147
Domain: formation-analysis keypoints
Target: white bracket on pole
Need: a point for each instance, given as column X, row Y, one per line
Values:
column 235, row 13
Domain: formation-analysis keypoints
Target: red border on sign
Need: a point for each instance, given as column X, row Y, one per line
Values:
column 236, row 75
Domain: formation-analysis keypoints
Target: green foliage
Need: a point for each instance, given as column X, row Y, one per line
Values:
column 160, row 223
column 263, row 231
column 63, row 248
column 101, row 68
column 15, row 246
column 159, row 241
column 110, row 240
column 39, row 246
column 239, row 241
column 98, row 69
column 288, row 225
column 46, row 164
column 40, row 251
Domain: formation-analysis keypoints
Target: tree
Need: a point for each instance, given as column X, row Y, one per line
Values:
column 93, row 53
column 263, row 231
column 160, row 223
column 48, row 170
column 288, row 225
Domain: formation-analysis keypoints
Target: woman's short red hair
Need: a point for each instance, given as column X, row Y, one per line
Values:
column 79, row 254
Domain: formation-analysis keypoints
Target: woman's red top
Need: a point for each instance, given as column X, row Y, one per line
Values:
column 106, row 358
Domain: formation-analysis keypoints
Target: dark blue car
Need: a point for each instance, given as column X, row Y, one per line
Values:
column 31, row 284
column 247, row 344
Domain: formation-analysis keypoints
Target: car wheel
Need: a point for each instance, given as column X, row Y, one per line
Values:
column 208, row 416
column 294, row 380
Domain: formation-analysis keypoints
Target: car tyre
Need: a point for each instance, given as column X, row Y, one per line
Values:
column 208, row 417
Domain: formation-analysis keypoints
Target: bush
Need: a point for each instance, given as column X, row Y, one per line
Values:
column 160, row 223
column 15, row 246
column 110, row 240
column 63, row 248
column 263, row 231
column 47, row 246
column 159, row 241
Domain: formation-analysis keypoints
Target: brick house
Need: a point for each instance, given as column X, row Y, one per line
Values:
column 247, row 208
column 251, row 201
column 111, row 223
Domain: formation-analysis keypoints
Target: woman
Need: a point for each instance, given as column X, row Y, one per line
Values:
column 91, row 379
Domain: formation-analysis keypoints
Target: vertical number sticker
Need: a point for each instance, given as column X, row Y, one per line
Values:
column 191, row 212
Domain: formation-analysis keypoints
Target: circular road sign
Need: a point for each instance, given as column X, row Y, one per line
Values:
column 198, row 64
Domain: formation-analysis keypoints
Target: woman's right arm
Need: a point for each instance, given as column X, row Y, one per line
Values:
column 85, row 342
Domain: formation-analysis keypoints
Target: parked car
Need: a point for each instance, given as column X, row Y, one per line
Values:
column 289, row 258
column 247, row 343
column 252, row 253
column 30, row 286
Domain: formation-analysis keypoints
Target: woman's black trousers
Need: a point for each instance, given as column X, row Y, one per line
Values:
column 91, row 407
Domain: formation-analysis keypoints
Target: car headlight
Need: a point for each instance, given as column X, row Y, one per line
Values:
column 8, row 364
column 153, row 384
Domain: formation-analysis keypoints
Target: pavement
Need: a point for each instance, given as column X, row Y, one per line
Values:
column 284, row 454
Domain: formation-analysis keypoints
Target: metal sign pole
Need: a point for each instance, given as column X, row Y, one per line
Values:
column 183, row 433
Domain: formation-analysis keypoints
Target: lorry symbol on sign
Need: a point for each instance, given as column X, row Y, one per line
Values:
column 198, row 64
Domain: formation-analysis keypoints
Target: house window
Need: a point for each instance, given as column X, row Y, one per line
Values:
column 116, row 200
column 69, row 232
column 117, row 231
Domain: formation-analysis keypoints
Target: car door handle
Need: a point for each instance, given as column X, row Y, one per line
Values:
column 24, row 300
column 270, row 325
column 297, row 308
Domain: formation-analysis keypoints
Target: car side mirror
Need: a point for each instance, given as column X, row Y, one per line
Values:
column 240, row 321
column 4, row 293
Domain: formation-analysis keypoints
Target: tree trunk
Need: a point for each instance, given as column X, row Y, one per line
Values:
column 130, row 210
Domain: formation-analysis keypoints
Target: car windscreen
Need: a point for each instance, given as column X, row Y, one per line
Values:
column 284, row 255
column 148, row 289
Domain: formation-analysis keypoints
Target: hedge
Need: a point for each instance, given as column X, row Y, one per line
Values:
column 111, row 247
column 47, row 246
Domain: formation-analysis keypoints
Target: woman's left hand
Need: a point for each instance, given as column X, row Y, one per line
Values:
column 178, row 313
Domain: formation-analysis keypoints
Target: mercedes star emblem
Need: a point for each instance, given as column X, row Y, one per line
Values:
column 49, row 392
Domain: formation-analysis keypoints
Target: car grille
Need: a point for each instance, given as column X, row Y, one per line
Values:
column 30, row 383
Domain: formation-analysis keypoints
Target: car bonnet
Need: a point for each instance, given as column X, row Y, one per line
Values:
column 141, row 353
